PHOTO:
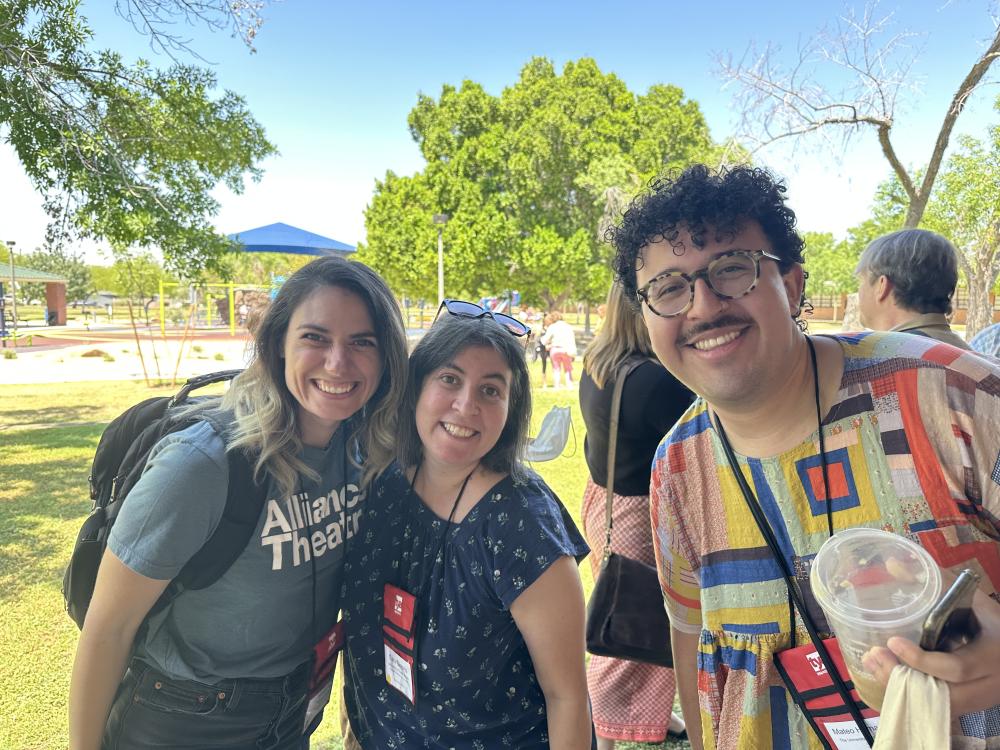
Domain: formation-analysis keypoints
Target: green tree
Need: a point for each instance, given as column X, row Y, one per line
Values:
column 964, row 208
column 79, row 283
column 138, row 278
column 259, row 268
column 530, row 179
column 123, row 151
column 830, row 264
column 401, row 239
column 888, row 214
column 105, row 279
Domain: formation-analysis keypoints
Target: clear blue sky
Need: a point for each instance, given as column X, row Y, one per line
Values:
column 332, row 84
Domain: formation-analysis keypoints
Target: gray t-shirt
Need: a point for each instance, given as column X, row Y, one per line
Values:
column 257, row 619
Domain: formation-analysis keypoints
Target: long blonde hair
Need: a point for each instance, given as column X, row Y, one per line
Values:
column 622, row 335
column 266, row 421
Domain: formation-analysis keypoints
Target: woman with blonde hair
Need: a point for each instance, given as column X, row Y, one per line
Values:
column 234, row 664
column 632, row 701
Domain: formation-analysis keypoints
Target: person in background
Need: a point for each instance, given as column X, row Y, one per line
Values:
column 631, row 701
column 987, row 341
column 465, row 627
column 560, row 339
column 906, row 281
column 542, row 352
column 230, row 665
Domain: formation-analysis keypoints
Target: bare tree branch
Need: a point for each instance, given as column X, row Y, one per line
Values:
column 958, row 102
column 158, row 19
column 777, row 104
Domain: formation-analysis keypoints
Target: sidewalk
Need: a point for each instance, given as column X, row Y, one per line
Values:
column 65, row 364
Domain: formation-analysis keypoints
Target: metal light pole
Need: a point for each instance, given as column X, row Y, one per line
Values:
column 13, row 291
column 440, row 220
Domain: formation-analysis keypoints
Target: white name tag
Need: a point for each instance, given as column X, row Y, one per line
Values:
column 399, row 673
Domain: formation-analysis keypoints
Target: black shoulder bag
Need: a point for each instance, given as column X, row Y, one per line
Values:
column 625, row 615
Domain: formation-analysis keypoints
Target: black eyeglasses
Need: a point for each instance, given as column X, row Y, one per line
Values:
column 472, row 310
column 729, row 276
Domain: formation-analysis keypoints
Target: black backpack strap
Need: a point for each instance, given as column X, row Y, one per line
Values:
column 245, row 500
column 200, row 381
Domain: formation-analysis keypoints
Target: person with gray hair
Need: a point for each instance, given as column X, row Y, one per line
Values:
column 906, row 281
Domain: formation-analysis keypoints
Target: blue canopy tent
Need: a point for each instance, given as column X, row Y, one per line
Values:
column 274, row 238
column 282, row 238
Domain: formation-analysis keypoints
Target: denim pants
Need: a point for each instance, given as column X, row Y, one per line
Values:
column 152, row 710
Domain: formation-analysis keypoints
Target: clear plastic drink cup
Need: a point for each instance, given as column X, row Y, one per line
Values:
column 873, row 585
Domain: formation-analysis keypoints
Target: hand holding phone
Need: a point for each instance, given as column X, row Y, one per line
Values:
column 972, row 672
column 952, row 623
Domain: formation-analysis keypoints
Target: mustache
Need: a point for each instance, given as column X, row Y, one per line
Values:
column 723, row 321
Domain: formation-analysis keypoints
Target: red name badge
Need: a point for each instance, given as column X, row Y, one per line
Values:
column 811, row 687
column 324, row 665
column 399, row 615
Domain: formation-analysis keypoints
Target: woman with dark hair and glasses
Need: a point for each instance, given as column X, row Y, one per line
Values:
column 465, row 627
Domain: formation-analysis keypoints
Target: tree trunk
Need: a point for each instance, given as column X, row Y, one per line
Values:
column 980, row 312
column 915, row 211
column 554, row 303
column 852, row 319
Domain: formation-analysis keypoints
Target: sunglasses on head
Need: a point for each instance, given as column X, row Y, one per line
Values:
column 464, row 309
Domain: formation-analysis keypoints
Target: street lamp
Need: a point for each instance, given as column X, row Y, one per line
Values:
column 13, row 292
column 440, row 220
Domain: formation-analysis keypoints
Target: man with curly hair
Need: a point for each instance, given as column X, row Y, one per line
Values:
column 828, row 432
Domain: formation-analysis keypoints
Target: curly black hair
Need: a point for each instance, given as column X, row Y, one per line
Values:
column 698, row 200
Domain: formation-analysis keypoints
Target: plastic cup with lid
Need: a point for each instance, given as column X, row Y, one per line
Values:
column 873, row 585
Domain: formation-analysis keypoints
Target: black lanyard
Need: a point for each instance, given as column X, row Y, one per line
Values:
column 754, row 504
column 426, row 575
column 309, row 528
column 794, row 595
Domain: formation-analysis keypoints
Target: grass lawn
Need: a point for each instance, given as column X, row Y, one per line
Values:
column 48, row 435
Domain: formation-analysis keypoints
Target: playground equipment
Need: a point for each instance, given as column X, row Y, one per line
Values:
column 217, row 302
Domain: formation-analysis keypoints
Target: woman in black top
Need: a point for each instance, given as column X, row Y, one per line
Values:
column 631, row 701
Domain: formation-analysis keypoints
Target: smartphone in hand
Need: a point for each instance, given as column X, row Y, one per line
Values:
column 952, row 623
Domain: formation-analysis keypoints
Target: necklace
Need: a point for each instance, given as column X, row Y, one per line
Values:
column 447, row 525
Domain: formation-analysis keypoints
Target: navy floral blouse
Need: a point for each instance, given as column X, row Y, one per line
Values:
column 476, row 685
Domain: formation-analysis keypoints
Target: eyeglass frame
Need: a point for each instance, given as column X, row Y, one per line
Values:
column 526, row 334
column 642, row 293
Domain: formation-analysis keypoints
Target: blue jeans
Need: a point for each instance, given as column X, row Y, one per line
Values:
column 152, row 710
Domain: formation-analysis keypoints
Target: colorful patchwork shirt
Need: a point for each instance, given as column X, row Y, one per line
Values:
column 912, row 447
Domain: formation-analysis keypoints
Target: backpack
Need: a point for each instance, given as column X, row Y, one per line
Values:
column 119, row 463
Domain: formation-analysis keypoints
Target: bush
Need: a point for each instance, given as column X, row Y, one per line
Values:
column 9, row 354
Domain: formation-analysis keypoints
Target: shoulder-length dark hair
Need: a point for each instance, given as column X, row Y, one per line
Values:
column 447, row 338
column 265, row 410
